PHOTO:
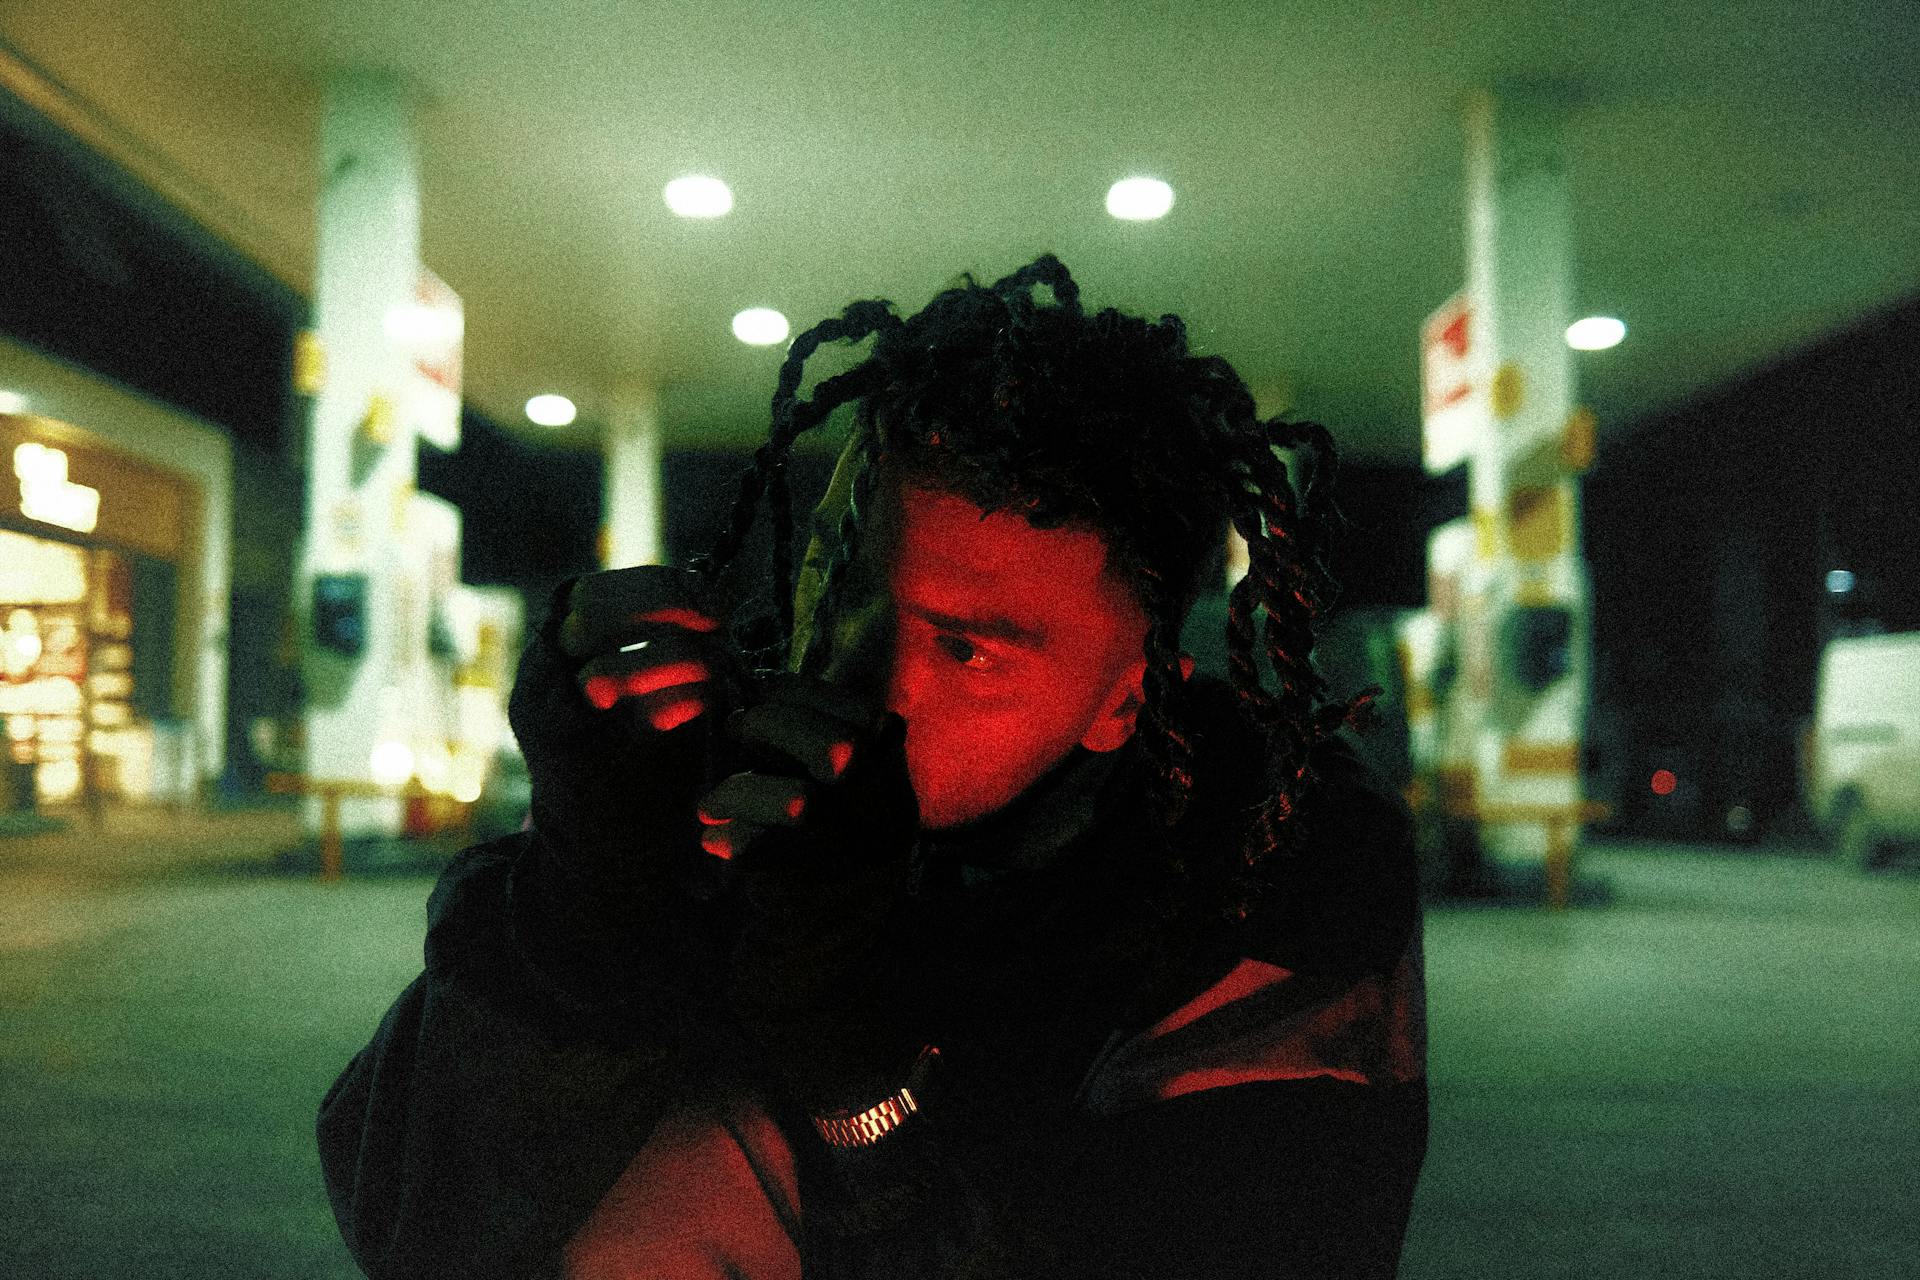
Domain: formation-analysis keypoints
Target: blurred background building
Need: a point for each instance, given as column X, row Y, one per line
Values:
column 1740, row 189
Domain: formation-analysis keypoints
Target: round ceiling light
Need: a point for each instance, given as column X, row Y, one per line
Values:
column 695, row 196
column 1139, row 199
column 1595, row 333
column 550, row 410
column 760, row 327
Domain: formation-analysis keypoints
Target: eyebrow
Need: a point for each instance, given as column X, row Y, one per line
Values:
column 994, row 627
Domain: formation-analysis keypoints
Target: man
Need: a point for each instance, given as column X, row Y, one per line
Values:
column 981, row 939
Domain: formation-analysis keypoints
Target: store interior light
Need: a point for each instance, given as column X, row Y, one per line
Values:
column 12, row 402
column 1139, row 199
column 47, row 495
column 1595, row 333
column 20, row 648
column 551, row 410
column 696, row 196
column 760, row 327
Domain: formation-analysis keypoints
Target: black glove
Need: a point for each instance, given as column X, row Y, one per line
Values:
column 819, row 831
column 618, row 707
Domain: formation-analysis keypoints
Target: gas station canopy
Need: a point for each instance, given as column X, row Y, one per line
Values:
column 1743, row 175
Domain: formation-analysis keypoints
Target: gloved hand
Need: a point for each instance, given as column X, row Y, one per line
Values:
column 819, row 830
column 617, row 707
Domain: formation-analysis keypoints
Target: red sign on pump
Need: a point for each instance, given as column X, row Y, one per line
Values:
column 1453, row 384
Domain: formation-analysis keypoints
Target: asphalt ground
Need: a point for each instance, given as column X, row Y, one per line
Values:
column 1716, row 1073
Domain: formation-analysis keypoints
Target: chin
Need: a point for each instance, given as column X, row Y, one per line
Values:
column 964, row 788
column 944, row 814
column 943, row 817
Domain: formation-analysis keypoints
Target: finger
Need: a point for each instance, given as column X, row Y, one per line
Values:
column 763, row 799
column 645, row 667
column 724, row 840
column 823, row 745
column 665, row 708
column 671, row 708
column 606, row 610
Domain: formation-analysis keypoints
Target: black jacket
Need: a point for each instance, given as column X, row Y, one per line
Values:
column 1131, row 1084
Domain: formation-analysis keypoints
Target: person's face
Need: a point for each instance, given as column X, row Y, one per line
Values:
column 1010, row 645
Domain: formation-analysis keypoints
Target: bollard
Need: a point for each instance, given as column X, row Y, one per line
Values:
column 330, row 793
column 1560, row 820
column 332, row 862
column 1559, row 861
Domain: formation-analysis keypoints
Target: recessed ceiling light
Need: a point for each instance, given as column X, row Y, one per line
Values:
column 760, row 327
column 1139, row 199
column 695, row 196
column 12, row 402
column 1595, row 333
column 550, row 410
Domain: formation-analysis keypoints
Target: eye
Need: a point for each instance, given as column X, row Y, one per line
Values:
column 961, row 650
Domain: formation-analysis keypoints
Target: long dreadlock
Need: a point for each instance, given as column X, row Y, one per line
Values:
column 1104, row 422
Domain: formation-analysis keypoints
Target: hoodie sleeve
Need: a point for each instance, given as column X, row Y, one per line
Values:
column 511, row 1082
column 1348, row 904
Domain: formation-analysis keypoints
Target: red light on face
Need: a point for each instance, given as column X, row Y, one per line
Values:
column 1664, row 782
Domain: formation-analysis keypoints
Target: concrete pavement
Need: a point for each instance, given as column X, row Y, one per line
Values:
column 1714, row 1075
column 1717, row 1075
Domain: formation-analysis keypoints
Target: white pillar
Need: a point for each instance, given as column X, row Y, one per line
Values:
column 360, row 451
column 1523, row 473
column 632, row 532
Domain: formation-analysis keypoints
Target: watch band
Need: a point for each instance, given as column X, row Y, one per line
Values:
column 865, row 1126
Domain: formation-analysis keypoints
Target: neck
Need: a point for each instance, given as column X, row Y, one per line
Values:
column 1032, row 830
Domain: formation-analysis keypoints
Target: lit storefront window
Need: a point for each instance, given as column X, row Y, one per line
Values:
column 36, row 571
column 66, row 669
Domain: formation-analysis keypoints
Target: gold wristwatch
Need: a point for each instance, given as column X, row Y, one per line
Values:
column 862, row 1127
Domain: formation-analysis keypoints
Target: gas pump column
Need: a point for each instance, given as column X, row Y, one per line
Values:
column 632, row 499
column 1510, row 594
column 360, row 445
column 1523, row 481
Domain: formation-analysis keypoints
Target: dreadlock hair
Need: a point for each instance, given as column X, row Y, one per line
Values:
column 1105, row 422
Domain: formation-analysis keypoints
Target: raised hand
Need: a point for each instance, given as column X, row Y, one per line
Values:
column 645, row 635
column 617, row 708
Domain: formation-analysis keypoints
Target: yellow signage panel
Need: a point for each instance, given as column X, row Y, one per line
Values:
column 1539, row 522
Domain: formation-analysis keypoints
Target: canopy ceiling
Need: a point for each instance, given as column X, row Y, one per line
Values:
column 1746, row 174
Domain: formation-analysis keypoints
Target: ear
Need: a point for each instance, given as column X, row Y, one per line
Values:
column 1120, row 709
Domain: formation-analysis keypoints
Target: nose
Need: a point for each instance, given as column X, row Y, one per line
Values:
column 903, row 690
